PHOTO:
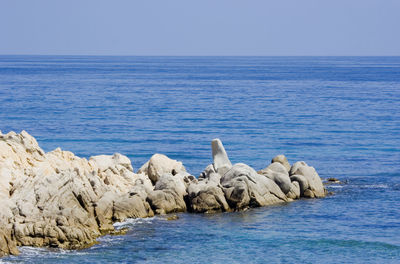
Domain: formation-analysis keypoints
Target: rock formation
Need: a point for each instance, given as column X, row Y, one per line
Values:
column 57, row 199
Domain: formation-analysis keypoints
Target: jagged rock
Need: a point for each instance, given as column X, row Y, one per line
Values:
column 7, row 242
column 131, row 205
column 315, row 186
column 282, row 160
column 210, row 174
column 160, row 164
column 221, row 161
column 207, row 196
column 57, row 199
column 244, row 188
column 168, row 194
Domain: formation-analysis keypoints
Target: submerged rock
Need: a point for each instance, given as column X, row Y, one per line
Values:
column 332, row 180
column 57, row 199
column 172, row 217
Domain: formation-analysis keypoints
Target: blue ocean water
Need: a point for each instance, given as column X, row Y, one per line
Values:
column 339, row 114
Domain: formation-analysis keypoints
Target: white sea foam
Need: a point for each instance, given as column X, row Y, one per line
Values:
column 375, row 186
column 336, row 186
column 30, row 254
column 131, row 222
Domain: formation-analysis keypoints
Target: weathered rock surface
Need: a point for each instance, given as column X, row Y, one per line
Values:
column 282, row 160
column 278, row 173
column 294, row 192
column 243, row 188
column 206, row 195
column 168, row 194
column 312, row 186
column 57, row 199
column 160, row 164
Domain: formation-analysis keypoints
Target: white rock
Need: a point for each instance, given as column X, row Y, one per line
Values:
column 221, row 161
column 160, row 164
column 60, row 200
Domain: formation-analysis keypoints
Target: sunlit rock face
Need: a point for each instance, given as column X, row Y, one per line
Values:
column 57, row 199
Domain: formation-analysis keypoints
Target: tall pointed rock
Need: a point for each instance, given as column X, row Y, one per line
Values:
column 221, row 161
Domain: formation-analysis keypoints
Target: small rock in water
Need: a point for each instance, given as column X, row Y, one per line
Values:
column 333, row 180
column 172, row 217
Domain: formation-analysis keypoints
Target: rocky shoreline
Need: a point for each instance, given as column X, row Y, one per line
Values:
column 57, row 199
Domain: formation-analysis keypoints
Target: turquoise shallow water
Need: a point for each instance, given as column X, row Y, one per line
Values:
column 339, row 114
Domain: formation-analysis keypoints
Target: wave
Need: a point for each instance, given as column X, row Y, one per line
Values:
column 335, row 186
column 131, row 222
column 36, row 251
column 374, row 186
column 31, row 254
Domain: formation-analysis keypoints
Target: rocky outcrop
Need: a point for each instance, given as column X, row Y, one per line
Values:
column 57, row 199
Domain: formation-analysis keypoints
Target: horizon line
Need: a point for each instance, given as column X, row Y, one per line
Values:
column 131, row 55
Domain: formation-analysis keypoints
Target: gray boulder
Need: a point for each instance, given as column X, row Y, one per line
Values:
column 282, row 160
column 160, row 164
column 244, row 188
column 131, row 205
column 207, row 197
column 294, row 192
column 278, row 173
column 168, row 195
column 302, row 181
column 278, row 167
column 315, row 187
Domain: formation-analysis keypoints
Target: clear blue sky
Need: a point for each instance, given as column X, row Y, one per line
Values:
column 202, row 27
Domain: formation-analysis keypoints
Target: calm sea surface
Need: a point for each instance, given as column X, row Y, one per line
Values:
column 339, row 114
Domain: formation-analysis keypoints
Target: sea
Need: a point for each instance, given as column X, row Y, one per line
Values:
column 341, row 115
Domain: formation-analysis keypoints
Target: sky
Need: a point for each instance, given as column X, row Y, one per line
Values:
column 201, row 28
